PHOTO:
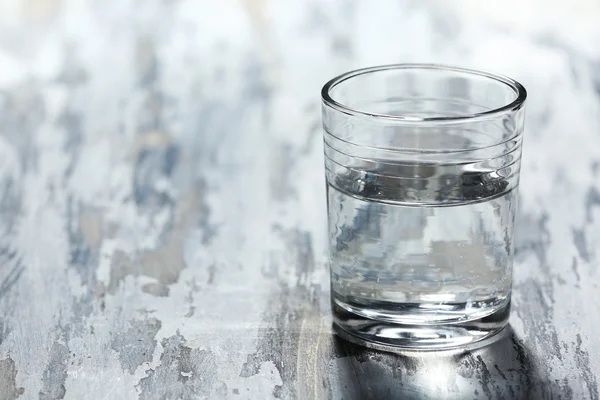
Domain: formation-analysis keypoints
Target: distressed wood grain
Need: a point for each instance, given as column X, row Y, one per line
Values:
column 162, row 205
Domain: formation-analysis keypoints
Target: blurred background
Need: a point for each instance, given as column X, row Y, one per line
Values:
column 123, row 67
column 161, row 188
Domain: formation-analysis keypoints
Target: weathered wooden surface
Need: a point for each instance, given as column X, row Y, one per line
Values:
column 162, row 210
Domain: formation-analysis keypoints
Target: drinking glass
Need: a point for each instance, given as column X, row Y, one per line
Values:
column 422, row 168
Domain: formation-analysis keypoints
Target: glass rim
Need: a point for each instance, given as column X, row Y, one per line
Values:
column 513, row 106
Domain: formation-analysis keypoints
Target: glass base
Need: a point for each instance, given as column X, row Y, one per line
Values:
column 395, row 337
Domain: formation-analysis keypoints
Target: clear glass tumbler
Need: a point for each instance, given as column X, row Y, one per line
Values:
column 422, row 166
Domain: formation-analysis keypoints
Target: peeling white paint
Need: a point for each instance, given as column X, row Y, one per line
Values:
column 232, row 222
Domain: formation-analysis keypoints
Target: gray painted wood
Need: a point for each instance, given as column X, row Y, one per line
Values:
column 162, row 209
